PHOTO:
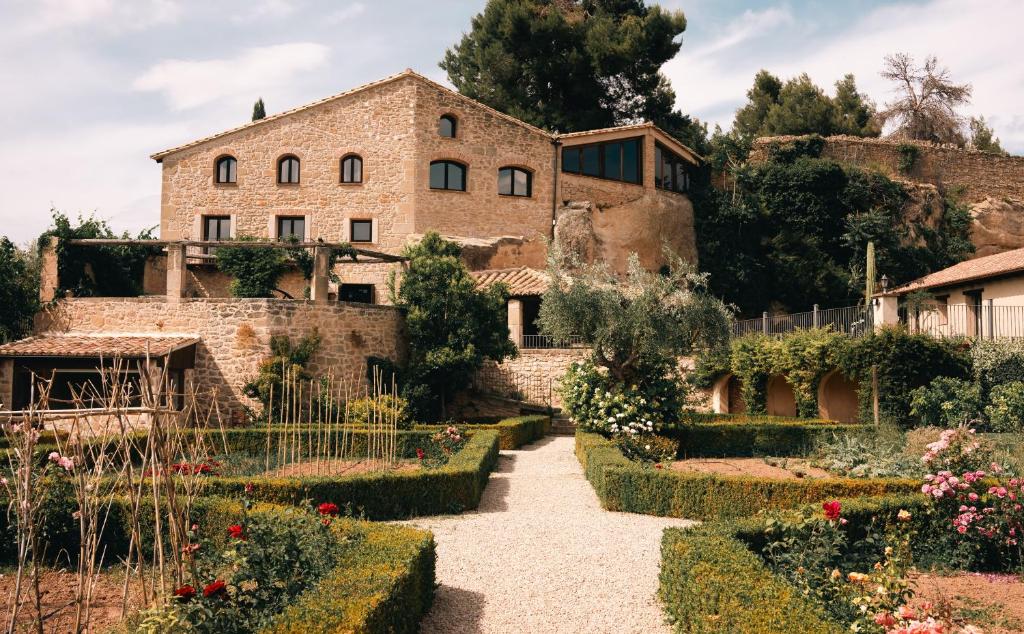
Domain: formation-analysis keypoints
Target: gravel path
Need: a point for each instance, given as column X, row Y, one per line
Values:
column 540, row 555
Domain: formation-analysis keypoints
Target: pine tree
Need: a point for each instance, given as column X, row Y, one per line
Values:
column 259, row 110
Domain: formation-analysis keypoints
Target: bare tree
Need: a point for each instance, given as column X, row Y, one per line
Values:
column 926, row 103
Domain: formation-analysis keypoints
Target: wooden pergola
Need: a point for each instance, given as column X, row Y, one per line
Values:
column 177, row 257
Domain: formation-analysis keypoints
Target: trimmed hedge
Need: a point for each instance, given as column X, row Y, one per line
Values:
column 515, row 432
column 623, row 485
column 385, row 584
column 741, row 439
column 455, row 487
column 713, row 581
column 698, row 418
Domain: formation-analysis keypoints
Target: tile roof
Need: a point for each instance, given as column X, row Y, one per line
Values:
column 408, row 72
column 521, row 282
column 96, row 345
column 967, row 271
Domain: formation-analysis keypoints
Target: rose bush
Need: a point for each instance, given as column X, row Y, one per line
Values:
column 600, row 405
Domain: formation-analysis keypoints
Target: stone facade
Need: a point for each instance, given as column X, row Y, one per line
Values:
column 235, row 333
column 531, row 377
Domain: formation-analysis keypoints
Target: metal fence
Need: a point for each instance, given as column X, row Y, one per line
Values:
column 533, row 342
column 507, row 383
column 851, row 320
column 985, row 321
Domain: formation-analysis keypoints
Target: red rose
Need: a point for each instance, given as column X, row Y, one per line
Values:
column 831, row 509
column 658, row 466
column 215, row 589
column 249, row 489
column 420, row 453
column 185, row 593
column 235, row 531
column 327, row 508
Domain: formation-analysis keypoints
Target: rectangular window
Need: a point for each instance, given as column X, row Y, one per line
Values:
column 362, row 231
column 505, row 182
column 620, row 160
column 216, row 228
column 291, row 227
column 437, row 175
column 361, row 293
column 672, row 172
column 455, row 173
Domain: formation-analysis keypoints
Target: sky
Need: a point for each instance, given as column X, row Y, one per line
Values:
column 93, row 87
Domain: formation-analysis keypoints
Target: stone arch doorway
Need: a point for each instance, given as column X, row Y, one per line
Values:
column 726, row 397
column 780, row 398
column 837, row 398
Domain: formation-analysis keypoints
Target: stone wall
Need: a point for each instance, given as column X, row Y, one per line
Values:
column 532, row 377
column 976, row 175
column 236, row 333
column 6, row 383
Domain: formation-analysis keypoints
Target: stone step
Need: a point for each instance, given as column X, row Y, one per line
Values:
column 562, row 426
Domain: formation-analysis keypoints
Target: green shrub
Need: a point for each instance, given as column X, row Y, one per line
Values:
column 621, row 485
column 908, row 157
column 997, row 361
column 946, row 402
column 255, row 271
column 868, row 453
column 648, row 448
column 741, row 439
column 515, row 432
column 386, row 406
column 599, row 402
column 1005, row 411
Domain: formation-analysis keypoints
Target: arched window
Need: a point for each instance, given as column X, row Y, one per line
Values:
column 448, row 175
column 446, row 126
column 352, row 169
column 515, row 181
column 288, row 169
column 227, row 170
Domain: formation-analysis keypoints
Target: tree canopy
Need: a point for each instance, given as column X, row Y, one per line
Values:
column 571, row 65
column 453, row 327
column 926, row 101
column 259, row 110
column 19, row 292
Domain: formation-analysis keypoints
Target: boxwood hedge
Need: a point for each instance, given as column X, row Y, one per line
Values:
column 623, row 485
column 515, row 432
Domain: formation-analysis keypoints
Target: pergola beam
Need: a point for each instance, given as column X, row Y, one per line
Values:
column 378, row 256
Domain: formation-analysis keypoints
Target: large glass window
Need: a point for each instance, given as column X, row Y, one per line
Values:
column 361, row 231
column 352, row 169
column 671, row 171
column 291, row 228
column 614, row 160
column 446, row 126
column 227, row 169
column 288, row 170
column 448, row 175
column 514, row 181
column 362, row 293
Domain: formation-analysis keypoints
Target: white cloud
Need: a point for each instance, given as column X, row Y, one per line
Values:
column 266, row 9
column 748, row 26
column 346, row 13
column 191, row 83
column 973, row 38
column 113, row 15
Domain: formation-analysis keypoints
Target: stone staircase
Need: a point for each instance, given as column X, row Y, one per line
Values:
column 561, row 425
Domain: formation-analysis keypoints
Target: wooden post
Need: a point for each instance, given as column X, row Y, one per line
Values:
column 874, row 391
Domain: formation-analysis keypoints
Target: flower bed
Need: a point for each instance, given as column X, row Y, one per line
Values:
column 515, row 432
column 623, row 485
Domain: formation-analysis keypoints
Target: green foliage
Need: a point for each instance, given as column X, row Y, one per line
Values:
column 1005, row 411
column 997, row 361
column 648, row 448
column 599, row 402
column 259, row 110
column 515, row 432
column 88, row 271
column 570, row 66
column 868, row 452
column 19, row 292
column 903, row 362
column 983, row 138
column 796, row 227
column 637, row 327
column 751, row 437
column 383, row 585
column 798, row 106
column 453, row 327
column 255, row 271
column 386, row 407
column 908, row 157
column 946, row 402
column 624, row 486
column 286, row 361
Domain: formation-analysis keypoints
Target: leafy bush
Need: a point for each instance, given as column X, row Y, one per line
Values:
column 255, row 272
column 19, row 292
column 997, row 361
column 648, row 448
column 598, row 402
column 946, row 402
column 868, row 454
column 515, row 432
column 386, row 406
column 286, row 363
column 753, row 437
column 908, row 157
column 1005, row 411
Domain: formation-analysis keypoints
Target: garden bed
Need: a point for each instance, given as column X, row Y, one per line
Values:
column 58, row 600
column 994, row 602
column 771, row 469
column 514, row 432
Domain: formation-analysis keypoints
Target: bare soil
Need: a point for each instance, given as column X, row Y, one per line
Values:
column 58, row 600
column 993, row 602
column 337, row 468
column 783, row 469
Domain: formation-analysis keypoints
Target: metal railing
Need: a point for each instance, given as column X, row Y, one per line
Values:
column 985, row 321
column 535, row 342
column 851, row 320
column 507, row 383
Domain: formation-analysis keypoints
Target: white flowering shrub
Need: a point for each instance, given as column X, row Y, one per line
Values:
column 597, row 404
